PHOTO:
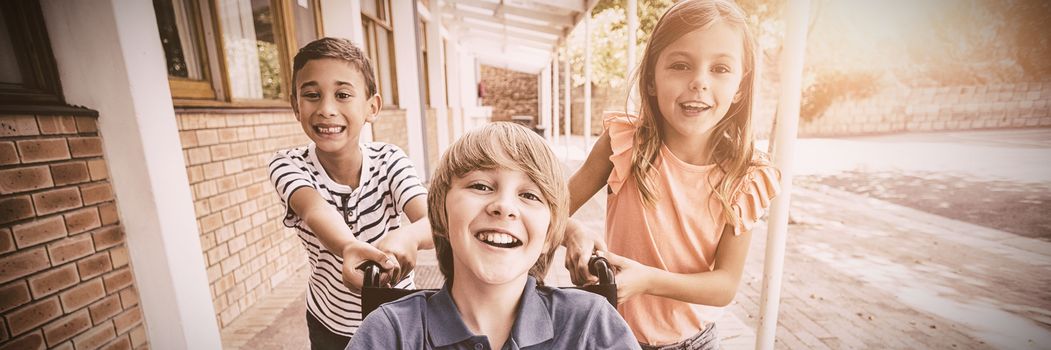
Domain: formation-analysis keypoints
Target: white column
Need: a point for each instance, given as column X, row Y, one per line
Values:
column 406, row 58
column 554, row 97
column 587, row 81
column 568, row 87
column 784, row 158
column 453, row 85
column 545, row 101
column 469, row 91
column 342, row 19
column 110, row 59
column 436, row 76
column 633, row 27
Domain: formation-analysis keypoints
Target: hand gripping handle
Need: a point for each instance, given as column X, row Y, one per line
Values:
column 600, row 267
column 372, row 273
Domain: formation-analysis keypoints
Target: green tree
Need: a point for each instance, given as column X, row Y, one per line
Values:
column 609, row 41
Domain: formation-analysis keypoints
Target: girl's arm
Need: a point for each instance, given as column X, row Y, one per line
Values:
column 416, row 211
column 328, row 225
column 592, row 174
column 588, row 180
column 716, row 288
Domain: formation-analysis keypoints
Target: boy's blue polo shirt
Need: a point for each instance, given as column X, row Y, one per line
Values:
column 547, row 318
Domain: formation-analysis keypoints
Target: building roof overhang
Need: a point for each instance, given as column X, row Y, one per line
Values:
column 519, row 35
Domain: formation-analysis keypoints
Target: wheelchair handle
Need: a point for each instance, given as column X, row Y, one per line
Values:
column 600, row 267
column 372, row 273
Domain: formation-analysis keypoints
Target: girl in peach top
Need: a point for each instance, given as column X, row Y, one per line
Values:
column 684, row 180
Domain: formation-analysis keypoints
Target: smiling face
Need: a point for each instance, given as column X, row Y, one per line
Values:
column 331, row 104
column 497, row 225
column 697, row 78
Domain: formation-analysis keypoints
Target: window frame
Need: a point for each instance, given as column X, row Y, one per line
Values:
column 423, row 36
column 383, row 21
column 192, row 94
column 288, row 7
column 36, row 62
column 207, row 88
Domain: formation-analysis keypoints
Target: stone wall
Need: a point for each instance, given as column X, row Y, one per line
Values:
column 246, row 248
column 510, row 93
column 65, row 276
column 891, row 110
column 603, row 99
column 937, row 108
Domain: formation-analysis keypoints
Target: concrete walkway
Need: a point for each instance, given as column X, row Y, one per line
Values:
column 859, row 273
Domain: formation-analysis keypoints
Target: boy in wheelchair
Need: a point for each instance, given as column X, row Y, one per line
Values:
column 498, row 207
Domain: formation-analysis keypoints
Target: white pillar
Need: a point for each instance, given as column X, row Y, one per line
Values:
column 406, row 59
column 110, row 59
column 791, row 84
column 342, row 19
column 453, row 85
column 568, row 87
column 633, row 27
column 554, row 97
column 473, row 114
column 587, row 81
column 468, row 80
column 545, row 101
column 757, row 92
column 436, row 76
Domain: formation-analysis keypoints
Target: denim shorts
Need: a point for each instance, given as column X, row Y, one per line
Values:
column 707, row 339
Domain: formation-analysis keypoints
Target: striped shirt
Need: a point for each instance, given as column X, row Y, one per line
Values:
column 388, row 181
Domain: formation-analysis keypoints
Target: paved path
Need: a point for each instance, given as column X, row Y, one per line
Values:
column 864, row 273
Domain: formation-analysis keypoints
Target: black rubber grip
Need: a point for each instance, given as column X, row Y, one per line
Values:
column 372, row 273
column 600, row 267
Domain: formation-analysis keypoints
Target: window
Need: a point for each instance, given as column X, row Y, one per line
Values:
column 241, row 55
column 252, row 47
column 379, row 45
column 184, row 46
column 307, row 22
column 28, row 73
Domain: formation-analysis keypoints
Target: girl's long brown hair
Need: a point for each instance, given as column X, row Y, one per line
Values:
column 732, row 144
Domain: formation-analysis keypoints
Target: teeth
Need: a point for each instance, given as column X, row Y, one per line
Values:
column 694, row 105
column 330, row 129
column 497, row 238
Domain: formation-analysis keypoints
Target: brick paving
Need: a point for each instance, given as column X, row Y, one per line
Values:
column 859, row 273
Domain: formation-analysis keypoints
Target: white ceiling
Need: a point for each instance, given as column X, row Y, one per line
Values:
column 513, row 34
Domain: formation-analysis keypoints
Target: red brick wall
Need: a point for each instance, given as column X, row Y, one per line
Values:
column 510, row 93
column 65, row 277
column 246, row 249
column 431, row 135
column 391, row 128
column 603, row 99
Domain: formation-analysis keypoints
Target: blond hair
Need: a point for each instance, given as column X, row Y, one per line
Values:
column 732, row 144
column 500, row 145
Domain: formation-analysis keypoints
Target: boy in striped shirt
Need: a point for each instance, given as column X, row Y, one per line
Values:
column 343, row 197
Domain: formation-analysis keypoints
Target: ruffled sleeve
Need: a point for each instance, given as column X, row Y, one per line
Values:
column 752, row 198
column 621, row 129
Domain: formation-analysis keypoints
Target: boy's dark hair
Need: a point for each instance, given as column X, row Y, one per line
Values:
column 337, row 48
